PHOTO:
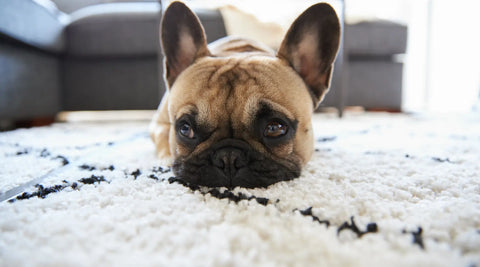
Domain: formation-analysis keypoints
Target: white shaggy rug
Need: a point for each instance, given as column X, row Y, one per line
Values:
column 381, row 190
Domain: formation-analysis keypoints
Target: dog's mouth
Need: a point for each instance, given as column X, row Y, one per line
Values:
column 233, row 163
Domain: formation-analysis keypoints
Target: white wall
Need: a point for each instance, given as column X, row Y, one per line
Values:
column 454, row 73
column 442, row 64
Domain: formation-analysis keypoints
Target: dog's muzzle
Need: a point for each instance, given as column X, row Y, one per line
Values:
column 229, row 160
column 231, row 163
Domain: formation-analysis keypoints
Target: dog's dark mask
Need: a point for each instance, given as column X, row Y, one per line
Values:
column 232, row 163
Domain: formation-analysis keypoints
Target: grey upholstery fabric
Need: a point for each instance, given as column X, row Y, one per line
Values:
column 108, row 57
column 372, row 77
column 125, row 29
column 111, row 60
column 375, row 84
column 376, row 38
column 112, row 84
column 128, row 29
column 35, row 25
column 29, row 83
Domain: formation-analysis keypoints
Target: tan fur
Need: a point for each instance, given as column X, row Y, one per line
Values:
column 228, row 86
column 218, row 102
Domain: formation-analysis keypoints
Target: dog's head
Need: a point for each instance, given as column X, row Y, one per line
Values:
column 244, row 119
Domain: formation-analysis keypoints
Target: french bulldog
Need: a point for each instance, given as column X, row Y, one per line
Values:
column 235, row 112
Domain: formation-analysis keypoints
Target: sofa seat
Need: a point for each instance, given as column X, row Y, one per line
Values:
column 373, row 69
column 99, row 56
column 113, row 30
column 30, row 44
column 111, row 61
column 30, row 83
column 376, row 38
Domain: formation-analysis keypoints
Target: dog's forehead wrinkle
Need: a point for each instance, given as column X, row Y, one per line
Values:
column 229, row 91
column 189, row 109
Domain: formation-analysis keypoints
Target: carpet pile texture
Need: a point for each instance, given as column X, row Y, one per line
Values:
column 380, row 190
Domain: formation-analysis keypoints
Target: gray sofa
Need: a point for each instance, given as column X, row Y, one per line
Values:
column 104, row 55
column 98, row 57
column 372, row 69
column 30, row 66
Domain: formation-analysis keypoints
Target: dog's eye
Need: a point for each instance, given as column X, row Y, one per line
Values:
column 186, row 130
column 275, row 129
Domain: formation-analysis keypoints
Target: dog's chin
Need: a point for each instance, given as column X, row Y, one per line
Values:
column 257, row 172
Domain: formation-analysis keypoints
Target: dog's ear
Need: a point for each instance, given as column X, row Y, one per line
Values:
column 183, row 40
column 310, row 47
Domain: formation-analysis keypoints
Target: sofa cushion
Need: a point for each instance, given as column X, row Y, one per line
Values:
column 112, row 84
column 29, row 83
column 375, row 85
column 376, row 38
column 114, row 29
column 38, row 24
column 126, row 29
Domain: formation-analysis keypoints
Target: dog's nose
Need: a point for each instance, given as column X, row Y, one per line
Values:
column 230, row 160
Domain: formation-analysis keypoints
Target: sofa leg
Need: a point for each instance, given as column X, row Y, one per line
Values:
column 35, row 122
column 8, row 125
